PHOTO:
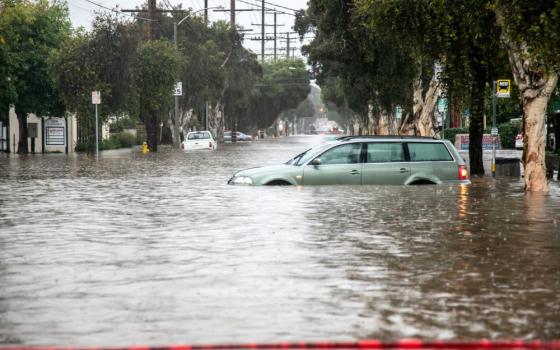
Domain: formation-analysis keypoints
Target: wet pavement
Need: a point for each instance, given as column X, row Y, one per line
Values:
column 157, row 249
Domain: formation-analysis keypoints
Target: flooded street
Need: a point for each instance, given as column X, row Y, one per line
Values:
column 158, row 249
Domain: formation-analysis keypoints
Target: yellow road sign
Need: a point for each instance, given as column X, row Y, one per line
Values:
column 503, row 88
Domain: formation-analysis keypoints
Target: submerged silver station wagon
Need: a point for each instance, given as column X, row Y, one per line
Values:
column 366, row 160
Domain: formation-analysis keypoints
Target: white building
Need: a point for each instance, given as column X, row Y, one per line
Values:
column 46, row 134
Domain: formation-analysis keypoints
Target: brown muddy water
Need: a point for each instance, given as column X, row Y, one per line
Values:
column 158, row 249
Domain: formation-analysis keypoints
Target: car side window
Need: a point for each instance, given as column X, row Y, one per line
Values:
column 425, row 151
column 378, row 152
column 345, row 154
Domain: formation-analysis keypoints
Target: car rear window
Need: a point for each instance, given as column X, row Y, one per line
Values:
column 198, row 136
column 378, row 152
column 422, row 152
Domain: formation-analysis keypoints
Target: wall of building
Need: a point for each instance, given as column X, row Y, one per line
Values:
column 52, row 134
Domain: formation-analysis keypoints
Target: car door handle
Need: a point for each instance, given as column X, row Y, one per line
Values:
column 354, row 172
column 404, row 170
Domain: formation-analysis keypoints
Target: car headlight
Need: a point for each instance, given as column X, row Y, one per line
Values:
column 244, row 180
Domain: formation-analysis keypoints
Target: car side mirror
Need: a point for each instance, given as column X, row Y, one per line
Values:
column 316, row 162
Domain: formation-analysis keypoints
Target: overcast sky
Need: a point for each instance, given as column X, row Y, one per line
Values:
column 82, row 13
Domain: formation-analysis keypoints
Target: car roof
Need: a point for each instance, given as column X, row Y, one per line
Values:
column 395, row 138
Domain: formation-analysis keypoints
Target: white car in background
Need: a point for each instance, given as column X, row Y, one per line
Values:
column 196, row 140
column 519, row 141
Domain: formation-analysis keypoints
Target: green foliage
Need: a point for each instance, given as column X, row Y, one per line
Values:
column 507, row 132
column 29, row 30
column 284, row 84
column 115, row 141
column 452, row 132
column 123, row 123
column 154, row 70
column 98, row 60
column 537, row 23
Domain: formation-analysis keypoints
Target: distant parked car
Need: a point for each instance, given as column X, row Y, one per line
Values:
column 240, row 136
column 519, row 141
column 196, row 140
column 394, row 160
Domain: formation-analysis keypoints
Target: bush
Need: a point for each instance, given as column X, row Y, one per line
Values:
column 121, row 124
column 81, row 147
column 110, row 143
column 507, row 132
column 115, row 141
column 450, row 133
column 125, row 140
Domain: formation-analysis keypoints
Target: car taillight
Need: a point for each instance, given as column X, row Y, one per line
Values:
column 463, row 173
column 210, row 144
column 182, row 146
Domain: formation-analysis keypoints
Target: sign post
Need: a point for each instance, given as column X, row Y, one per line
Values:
column 96, row 100
column 501, row 89
column 177, row 91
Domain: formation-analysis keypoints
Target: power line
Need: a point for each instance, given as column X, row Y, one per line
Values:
column 266, row 8
column 284, row 7
column 116, row 11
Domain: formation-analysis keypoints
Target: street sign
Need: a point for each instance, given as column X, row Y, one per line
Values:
column 442, row 105
column 494, row 132
column 96, row 97
column 398, row 113
column 178, row 91
column 503, row 88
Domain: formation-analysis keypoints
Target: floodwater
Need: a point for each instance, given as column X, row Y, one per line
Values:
column 157, row 249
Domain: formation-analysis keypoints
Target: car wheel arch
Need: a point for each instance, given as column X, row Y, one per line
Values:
column 422, row 180
column 278, row 182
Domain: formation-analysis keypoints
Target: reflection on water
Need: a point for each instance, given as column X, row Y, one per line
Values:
column 158, row 249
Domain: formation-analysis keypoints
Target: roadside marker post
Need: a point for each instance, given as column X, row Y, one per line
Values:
column 96, row 100
column 500, row 89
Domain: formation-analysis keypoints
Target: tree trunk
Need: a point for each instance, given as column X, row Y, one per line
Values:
column 536, row 83
column 476, row 128
column 23, row 132
column 381, row 125
column 152, row 132
column 423, row 107
column 175, row 127
column 534, row 139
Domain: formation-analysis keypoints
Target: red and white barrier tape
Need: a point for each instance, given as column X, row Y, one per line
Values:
column 405, row 344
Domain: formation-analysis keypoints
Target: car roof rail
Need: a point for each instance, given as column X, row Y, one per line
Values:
column 404, row 137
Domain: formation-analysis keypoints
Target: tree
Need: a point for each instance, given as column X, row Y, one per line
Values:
column 530, row 35
column 29, row 31
column 284, row 84
column 465, row 46
column 99, row 60
column 375, row 74
column 154, row 71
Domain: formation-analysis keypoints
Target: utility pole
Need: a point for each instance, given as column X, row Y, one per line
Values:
column 151, row 11
column 263, row 36
column 232, row 15
column 262, row 31
column 205, row 13
column 288, row 45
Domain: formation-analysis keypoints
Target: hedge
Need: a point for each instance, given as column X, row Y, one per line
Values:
column 115, row 141
column 507, row 132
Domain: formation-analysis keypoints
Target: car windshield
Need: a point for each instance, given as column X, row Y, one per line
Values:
column 198, row 136
column 304, row 157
